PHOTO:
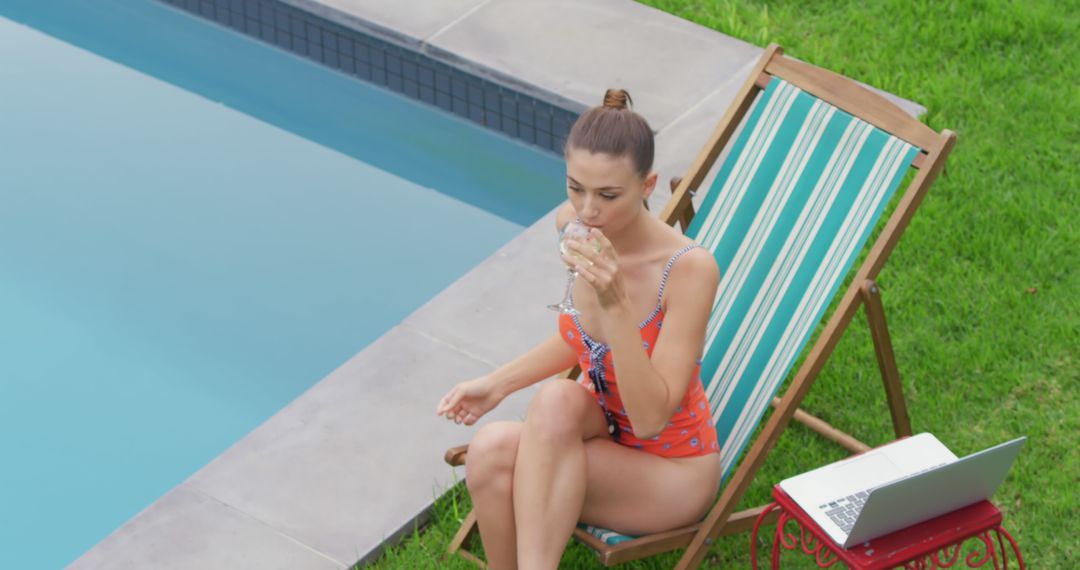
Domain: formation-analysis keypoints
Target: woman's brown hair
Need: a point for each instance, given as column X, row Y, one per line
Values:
column 612, row 128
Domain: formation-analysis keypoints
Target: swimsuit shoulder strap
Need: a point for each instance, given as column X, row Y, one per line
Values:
column 667, row 271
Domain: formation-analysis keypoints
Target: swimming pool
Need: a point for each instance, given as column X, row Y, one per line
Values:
column 186, row 248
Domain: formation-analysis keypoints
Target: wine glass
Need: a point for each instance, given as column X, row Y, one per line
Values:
column 572, row 230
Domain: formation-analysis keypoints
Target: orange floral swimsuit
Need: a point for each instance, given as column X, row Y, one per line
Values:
column 690, row 432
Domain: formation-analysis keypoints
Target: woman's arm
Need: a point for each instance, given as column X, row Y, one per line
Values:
column 468, row 401
column 542, row 361
column 690, row 291
column 651, row 390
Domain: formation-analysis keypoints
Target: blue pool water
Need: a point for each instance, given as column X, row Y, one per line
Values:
column 194, row 229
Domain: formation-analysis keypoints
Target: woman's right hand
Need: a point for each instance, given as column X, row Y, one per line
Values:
column 469, row 401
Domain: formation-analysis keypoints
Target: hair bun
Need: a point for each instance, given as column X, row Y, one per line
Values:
column 617, row 99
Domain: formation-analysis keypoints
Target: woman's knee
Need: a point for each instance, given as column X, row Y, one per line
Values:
column 492, row 453
column 558, row 410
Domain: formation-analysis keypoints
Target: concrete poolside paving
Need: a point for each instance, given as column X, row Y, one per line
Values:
column 357, row 459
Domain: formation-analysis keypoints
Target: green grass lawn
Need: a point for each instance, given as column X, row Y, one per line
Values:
column 983, row 292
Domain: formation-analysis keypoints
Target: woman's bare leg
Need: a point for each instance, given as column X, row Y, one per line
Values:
column 489, row 474
column 636, row 492
column 550, row 471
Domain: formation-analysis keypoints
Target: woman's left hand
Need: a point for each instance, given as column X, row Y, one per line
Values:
column 598, row 265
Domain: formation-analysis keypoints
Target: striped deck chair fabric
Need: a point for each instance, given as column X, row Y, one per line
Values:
column 790, row 210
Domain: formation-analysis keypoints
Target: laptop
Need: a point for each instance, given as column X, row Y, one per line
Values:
column 897, row 485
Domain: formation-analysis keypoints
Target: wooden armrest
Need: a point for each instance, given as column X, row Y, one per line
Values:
column 455, row 456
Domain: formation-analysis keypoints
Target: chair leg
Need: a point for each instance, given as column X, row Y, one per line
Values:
column 890, row 375
column 457, row 544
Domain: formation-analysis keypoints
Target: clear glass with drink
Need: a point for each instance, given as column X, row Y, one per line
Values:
column 580, row 232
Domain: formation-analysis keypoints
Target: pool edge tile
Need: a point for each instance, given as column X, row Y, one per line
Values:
column 667, row 63
column 186, row 528
column 313, row 470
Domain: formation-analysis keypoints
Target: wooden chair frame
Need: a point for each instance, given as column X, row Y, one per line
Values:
column 858, row 101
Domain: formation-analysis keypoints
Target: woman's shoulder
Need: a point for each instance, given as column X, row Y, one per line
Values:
column 693, row 264
column 695, row 261
column 679, row 244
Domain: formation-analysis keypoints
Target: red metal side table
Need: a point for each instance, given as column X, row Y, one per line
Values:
column 935, row 543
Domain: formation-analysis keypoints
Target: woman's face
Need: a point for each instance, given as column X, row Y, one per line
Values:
column 605, row 190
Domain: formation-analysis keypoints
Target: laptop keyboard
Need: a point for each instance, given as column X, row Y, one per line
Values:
column 845, row 510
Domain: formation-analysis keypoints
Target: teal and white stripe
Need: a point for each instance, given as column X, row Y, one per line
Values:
column 792, row 206
column 609, row 537
column 778, row 281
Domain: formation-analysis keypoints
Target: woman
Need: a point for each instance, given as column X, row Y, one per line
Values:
column 631, row 446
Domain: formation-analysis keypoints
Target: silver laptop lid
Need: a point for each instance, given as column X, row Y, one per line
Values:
column 870, row 469
column 924, row 496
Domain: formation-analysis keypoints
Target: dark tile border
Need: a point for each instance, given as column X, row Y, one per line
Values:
column 404, row 71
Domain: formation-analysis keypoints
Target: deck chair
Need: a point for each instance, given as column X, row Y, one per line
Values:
column 792, row 207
